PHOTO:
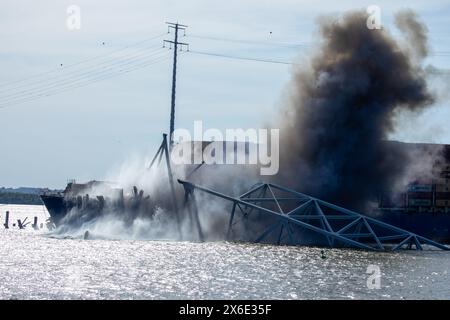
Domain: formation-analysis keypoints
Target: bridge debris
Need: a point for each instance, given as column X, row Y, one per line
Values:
column 294, row 218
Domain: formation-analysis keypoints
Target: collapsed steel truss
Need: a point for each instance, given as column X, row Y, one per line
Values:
column 290, row 212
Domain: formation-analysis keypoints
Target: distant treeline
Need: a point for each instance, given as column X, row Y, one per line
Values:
column 19, row 198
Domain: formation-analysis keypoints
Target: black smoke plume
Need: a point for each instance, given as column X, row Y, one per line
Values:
column 342, row 107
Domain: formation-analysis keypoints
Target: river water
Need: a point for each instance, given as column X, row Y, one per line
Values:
column 35, row 265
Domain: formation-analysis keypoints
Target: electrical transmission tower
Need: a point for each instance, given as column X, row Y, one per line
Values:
column 177, row 27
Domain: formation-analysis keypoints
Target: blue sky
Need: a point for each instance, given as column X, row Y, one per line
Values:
column 88, row 131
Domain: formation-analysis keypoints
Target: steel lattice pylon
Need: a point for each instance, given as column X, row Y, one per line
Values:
column 289, row 212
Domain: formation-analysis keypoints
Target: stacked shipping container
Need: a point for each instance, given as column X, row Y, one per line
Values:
column 420, row 194
column 432, row 195
column 442, row 195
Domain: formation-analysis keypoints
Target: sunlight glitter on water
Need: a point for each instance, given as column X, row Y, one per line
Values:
column 35, row 266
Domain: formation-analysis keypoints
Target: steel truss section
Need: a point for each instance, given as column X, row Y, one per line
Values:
column 289, row 212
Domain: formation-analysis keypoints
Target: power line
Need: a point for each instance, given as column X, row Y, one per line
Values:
column 441, row 72
column 74, row 71
column 83, row 84
column 64, row 82
column 105, row 69
column 84, row 72
column 263, row 43
column 435, row 72
column 92, row 58
column 241, row 58
column 284, row 44
column 86, row 80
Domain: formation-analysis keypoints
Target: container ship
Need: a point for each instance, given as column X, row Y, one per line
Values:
column 423, row 207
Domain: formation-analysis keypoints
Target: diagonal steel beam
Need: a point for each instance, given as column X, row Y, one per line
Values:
column 418, row 246
column 323, row 216
column 299, row 208
column 258, row 186
column 275, row 199
column 408, row 238
column 267, row 232
column 230, row 223
column 373, row 233
column 348, row 226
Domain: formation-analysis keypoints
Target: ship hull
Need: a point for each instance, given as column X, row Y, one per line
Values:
column 435, row 226
column 55, row 206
